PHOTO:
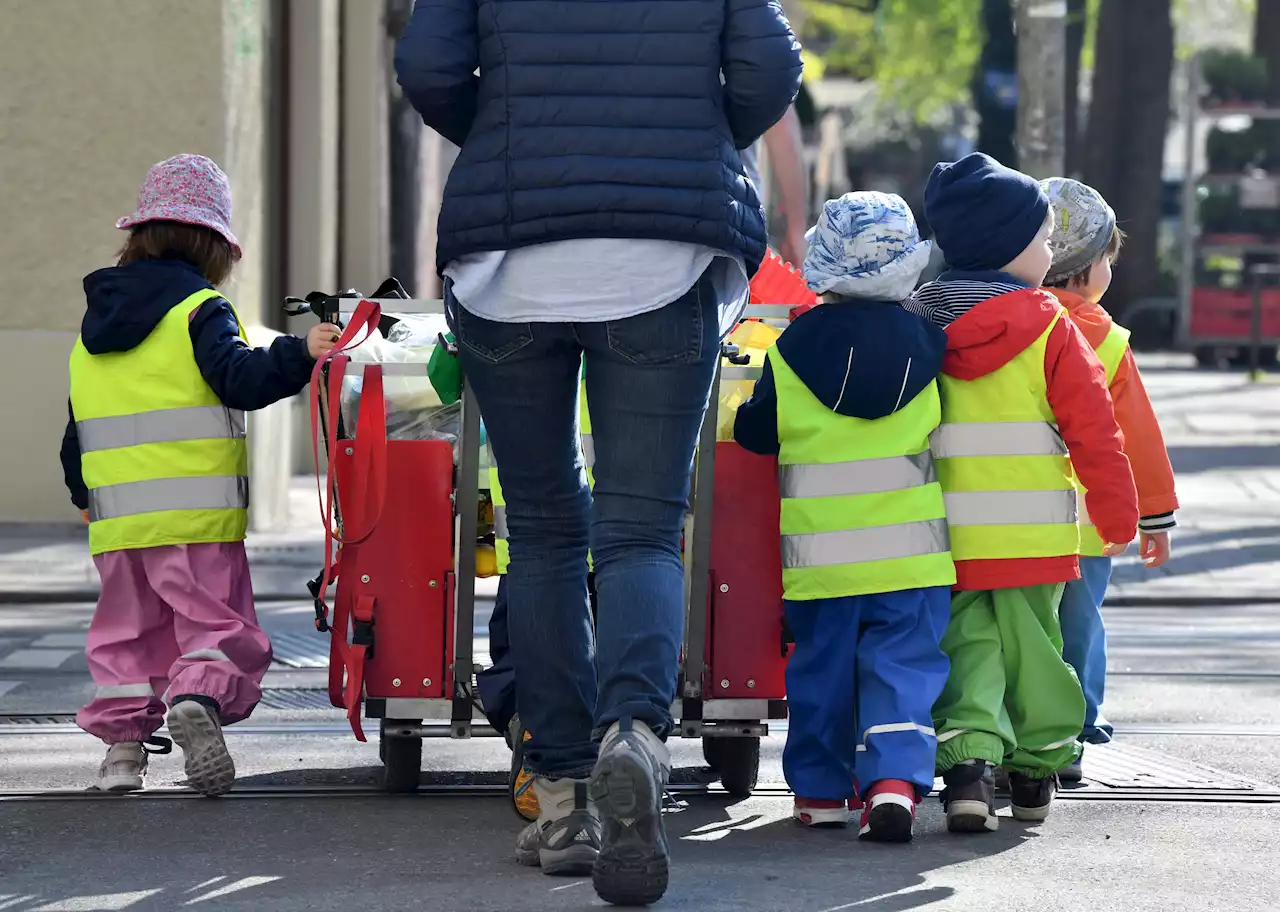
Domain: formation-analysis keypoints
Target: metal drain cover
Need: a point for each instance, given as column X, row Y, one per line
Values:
column 295, row 698
column 300, row 650
column 1111, row 766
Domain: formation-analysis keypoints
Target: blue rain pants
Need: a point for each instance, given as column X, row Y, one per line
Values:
column 861, row 685
column 1084, row 642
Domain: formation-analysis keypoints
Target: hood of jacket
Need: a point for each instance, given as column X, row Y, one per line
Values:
column 990, row 318
column 863, row 359
column 1092, row 319
column 125, row 303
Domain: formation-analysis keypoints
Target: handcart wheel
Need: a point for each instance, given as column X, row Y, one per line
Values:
column 737, row 760
column 402, row 759
column 382, row 740
column 712, row 751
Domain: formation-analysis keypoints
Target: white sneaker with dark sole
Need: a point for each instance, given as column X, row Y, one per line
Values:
column 195, row 729
column 123, row 769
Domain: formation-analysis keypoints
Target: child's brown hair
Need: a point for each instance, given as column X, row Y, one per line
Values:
column 1112, row 253
column 203, row 248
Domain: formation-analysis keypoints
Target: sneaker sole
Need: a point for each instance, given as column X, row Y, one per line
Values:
column 887, row 823
column 208, row 765
column 1031, row 814
column 971, row 817
column 577, row 860
column 119, row 784
column 820, row 820
column 632, row 869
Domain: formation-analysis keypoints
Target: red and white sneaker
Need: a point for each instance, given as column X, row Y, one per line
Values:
column 889, row 813
column 816, row 812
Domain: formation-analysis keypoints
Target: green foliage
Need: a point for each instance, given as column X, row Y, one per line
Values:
column 921, row 53
column 928, row 50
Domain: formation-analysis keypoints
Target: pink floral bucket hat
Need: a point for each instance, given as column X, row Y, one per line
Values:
column 186, row 188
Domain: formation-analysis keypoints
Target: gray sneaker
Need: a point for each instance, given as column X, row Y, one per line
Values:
column 627, row 785
column 565, row 839
column 195, row 728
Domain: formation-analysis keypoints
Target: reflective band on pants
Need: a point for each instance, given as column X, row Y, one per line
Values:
column 856, row 546
column 500, row 522
column 1010, row 508
column 120, row 691
column 997, row 438
column 864, row 476
column 202, row 422
column 210, row 655
column 895, row 727
column 589, row 450
column 200, row 492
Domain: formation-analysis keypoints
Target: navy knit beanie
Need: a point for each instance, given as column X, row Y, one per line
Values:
column 983, row 214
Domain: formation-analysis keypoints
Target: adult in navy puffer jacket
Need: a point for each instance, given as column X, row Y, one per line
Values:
column 597, row 222
column 607, row 118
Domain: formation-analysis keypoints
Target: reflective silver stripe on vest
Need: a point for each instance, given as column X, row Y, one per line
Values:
column 500, row 522
column 589, row 450
column 1010, row 508
column 858, row 546
column 202, row 492
column 1083, row 505
column 863, row 476
column 997, row 438
column 202, row 422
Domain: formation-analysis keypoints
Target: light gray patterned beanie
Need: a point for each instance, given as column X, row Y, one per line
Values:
column 865, row 245
column 1083, row 224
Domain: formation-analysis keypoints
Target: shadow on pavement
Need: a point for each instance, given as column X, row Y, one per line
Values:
column 443, row 854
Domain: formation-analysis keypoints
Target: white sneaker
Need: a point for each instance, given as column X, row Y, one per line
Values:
column 123, row 769
column 198, row 732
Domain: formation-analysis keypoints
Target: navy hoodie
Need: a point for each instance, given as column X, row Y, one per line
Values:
column 864, row 359
column 125, row 303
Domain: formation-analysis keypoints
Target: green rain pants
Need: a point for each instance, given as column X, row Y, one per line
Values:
column 1010, row 699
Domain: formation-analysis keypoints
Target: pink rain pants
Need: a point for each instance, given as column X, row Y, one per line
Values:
column 172, row 620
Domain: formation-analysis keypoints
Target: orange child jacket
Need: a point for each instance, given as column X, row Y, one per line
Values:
column 1143, row 442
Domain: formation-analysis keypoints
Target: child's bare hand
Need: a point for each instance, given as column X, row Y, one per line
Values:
column 1153, row 548
column 1114, row 550
column 84, row 514
column 321, row 339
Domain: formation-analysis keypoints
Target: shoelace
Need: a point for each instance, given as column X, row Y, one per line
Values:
column 157, row 745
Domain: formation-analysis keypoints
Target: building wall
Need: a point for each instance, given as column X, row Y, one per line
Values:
column 91, row 95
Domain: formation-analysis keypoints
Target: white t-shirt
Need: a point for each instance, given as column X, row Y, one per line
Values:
column 593, row 280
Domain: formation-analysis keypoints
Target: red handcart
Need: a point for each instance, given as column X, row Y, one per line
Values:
column 402, row 648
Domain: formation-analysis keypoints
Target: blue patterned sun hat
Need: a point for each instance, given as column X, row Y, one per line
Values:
column 866, row 245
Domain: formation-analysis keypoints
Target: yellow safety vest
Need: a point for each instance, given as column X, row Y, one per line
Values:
column 862, row 510
column 502, row 547
column 1110, row 353
column 1003, row 465
column 164, row 460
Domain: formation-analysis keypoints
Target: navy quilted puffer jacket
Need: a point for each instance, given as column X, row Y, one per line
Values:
column 599, row 118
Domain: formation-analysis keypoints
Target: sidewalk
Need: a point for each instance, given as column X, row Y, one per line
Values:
column 1223, row 435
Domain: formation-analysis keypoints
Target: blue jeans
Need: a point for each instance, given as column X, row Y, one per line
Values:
column 648, row 378
column 497, row 683
column 1084, row 641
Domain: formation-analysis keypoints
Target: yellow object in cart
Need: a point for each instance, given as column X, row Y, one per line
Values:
column 753, row 339
column 486, row 561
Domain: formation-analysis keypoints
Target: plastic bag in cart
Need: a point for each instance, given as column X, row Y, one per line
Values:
column 753, row 339
column 414, row 409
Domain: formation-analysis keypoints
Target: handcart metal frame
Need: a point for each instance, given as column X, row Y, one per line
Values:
column 729, row 728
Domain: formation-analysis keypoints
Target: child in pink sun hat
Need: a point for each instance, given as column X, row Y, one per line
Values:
column 155, row 458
